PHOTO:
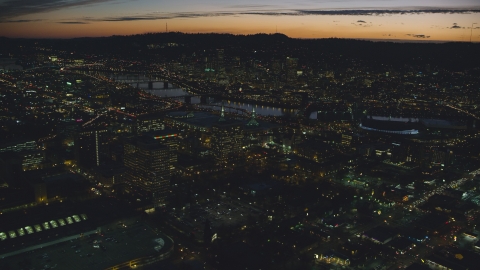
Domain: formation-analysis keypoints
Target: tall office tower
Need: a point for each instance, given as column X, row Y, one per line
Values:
column 220, row 60
column 276, row 70
column 66, row 130
column 222, row 77
column 291, row 66
column 147, row 165
column 276, row 66
column 91, row 147
column 226, row 141
column 168, row 137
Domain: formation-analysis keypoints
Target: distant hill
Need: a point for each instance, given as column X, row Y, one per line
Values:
column 456, row 55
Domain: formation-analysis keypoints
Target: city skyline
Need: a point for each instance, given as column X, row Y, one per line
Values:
column 220, row 151
column 425, row 20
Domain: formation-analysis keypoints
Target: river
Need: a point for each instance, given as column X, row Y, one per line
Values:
column 174, row 91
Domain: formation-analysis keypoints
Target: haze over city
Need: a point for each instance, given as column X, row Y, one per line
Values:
column 444, row 20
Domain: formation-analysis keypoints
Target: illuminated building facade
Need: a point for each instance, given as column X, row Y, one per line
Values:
column 17, row 146
column 91, row 147
column 148, row 168
column 291, row 66
column 170, row 138
column 226, row 141
column 149, row 123
column 32, row 160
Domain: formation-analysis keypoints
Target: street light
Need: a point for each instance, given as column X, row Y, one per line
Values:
column 471, row 31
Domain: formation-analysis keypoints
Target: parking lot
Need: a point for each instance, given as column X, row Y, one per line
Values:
column 227, row 212
column 121, row 242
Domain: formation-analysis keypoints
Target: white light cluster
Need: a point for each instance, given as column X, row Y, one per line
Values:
column 52, row 224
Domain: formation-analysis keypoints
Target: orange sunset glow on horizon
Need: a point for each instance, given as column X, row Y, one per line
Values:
column 405, row 20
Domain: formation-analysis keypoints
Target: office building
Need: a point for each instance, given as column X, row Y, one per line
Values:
column 147, row 123
column 91, row 147
column 18, row 146
column 148, row 168
column 170, row 138
column 291, row 66
column 226, row 141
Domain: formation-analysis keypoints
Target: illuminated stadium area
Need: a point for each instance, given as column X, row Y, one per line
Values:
column 400, row 132
column 391, row 126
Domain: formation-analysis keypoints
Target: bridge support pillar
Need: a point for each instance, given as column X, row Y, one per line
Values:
column 203, row 99
column 188, row 100
column 165, row 85
column 150, row 85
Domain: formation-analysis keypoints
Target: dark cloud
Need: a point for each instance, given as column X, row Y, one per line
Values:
column 388, row 11
column 417, row 36
column 73, row 22
column 23, row 21
column 160, row 16
column 248, row 6
column 282, row 12
column 14, row 8
column 455, row 26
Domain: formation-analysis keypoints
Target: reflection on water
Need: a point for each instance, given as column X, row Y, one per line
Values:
column 259, row 109
column 141, row 81
column 170, row 92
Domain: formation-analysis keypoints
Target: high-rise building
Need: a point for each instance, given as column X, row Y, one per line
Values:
column 91, row 147
column 170, row 138
column 276, row 67
column 226, row 141
column 291, row 66
column 276, row 72
column 220, row 59
column 148, row 168
column 66, row 129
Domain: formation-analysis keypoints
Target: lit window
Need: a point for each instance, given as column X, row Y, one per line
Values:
column 61, row 222
column 46, row 226
column 29, row 229
column 38, row 228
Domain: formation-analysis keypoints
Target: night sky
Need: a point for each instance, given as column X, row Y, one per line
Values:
column 375, row 19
